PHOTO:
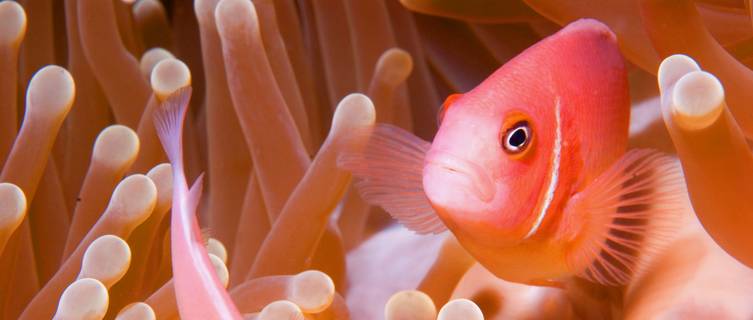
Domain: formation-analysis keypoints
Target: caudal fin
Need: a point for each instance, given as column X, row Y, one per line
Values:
column 168, row 121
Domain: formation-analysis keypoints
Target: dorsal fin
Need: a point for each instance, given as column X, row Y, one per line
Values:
column 390, row 174
column 622, row 215
column 194, row 193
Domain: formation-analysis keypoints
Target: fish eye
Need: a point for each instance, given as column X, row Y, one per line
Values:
column 516, row 139
column 446, row 105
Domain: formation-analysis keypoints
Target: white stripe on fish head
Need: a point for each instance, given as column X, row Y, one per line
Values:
column 553, row 174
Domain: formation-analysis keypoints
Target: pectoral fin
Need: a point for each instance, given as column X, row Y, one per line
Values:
column 389, row 172
column 622, row 215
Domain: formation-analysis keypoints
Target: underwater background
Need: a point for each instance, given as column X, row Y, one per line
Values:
column 86, row 188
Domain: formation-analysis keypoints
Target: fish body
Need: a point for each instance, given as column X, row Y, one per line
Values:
column 529, row 170
column 199, row 292
column 571, row 92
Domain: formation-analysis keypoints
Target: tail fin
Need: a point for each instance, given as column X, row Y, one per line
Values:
column 168, row 121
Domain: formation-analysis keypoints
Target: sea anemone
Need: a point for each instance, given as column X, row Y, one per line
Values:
column 280, row 89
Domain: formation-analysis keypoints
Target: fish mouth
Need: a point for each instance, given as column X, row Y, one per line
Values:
column 478, row 179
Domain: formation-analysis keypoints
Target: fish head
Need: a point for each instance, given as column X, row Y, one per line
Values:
column 509, row 152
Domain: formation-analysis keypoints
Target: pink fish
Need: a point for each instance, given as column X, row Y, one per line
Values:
column 529, row 170
column 198, row 290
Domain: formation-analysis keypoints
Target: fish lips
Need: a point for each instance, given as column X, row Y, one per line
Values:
column 448, row 177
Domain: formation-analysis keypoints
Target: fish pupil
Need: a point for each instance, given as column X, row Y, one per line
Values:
column 518, row 138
